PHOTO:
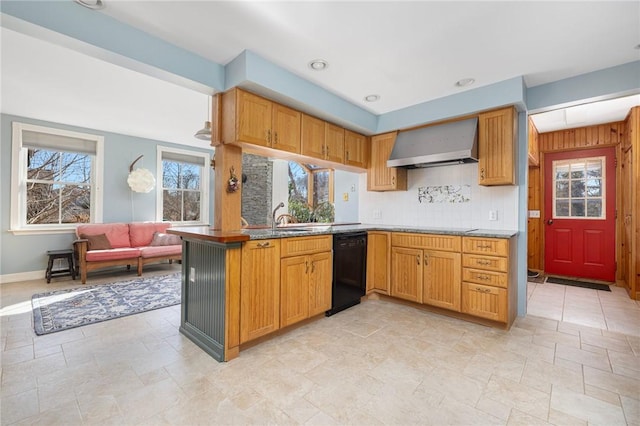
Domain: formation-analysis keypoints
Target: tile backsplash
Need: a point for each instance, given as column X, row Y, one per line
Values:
column 447, row 196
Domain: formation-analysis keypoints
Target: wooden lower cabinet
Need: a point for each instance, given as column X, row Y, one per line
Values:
column 320, row 278
column 378, row 271
column 294, row 290
column 306, row 273
column 406, row 273
column 487, row 275
column 484, row 301
column 423, row 275
column 259, row 289
column 441, row 283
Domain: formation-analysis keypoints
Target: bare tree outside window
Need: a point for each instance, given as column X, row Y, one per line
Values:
column 309, row 193
column 58, row 187
column 181, row 191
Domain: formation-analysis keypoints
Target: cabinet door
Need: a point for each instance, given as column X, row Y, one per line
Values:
column 406, row 273
column 294, row 289
column 355, row 149
column 441, row 283
column 334, row 143
column 320, row 277
column 379, row 176
column 259, row 289
column 313, row 134
column 286, row 129
column 496, row 140
column 254, row 119
column 484, row 301
column 378, row 262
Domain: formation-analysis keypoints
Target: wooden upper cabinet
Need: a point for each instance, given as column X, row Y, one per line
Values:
column 496, row 147
column 379, row 176
column 252, row 119
column 313, row 134
column 356, row 152
column 334, row 143
column 534, row 145
column 286, row 129
column 322, row 140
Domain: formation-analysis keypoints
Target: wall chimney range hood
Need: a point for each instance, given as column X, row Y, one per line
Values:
column 437, row 145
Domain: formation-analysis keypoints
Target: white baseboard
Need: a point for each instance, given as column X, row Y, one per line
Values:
column 22, row 276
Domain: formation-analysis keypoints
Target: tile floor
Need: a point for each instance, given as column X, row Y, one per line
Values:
column 376, row 363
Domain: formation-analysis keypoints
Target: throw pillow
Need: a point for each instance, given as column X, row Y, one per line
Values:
column 160, row 239
column 97, row 242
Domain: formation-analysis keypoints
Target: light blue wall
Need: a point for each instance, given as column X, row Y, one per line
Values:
column 344, row 182
column 611, row 82
column 25, row 253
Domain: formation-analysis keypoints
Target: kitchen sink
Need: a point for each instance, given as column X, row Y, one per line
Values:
column 305, row 228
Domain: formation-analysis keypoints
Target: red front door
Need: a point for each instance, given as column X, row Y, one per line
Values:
column 580, row 198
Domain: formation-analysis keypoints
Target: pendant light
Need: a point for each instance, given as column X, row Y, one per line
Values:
column 205, row 132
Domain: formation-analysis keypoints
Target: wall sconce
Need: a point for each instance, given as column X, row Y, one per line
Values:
column 140, row 180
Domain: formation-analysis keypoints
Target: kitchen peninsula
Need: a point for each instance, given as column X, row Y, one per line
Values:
column 233, row 293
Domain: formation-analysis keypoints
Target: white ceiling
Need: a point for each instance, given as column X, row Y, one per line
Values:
column 406, row 52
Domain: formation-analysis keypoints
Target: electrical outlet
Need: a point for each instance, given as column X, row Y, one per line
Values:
column 192, row 274
column 493, row 214
column 345, row 196
column 353, row 187
column 377, row 214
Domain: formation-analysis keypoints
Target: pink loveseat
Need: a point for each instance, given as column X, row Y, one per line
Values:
column 111, row 244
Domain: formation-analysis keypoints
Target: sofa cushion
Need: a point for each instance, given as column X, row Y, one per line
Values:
column 113, row 254
column 141, row 233
column 117, row 233
column 161, row 239
column 159, row 251
column 96, row 242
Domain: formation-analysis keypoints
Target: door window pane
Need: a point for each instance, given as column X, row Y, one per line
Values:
column 578, row 188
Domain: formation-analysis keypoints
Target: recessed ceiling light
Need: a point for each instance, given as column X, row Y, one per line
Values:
column 465, row 82
column 371, row 98
column 91, row 4
column 318, row 64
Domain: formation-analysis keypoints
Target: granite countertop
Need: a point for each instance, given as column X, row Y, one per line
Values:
column 301, row 230
column 319, row 229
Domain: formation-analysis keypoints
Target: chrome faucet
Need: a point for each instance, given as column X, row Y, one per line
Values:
column 273, row 216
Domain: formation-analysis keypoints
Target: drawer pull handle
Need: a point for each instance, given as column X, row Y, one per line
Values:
column 264, row 245
column 483, row 290
column 484, row 246
column 484, row 277
column 483, row 262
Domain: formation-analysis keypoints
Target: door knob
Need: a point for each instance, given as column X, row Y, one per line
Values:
column 549, row 222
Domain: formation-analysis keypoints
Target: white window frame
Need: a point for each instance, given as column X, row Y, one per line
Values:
column 603, row 196
column 204, row 185
column 19, row 176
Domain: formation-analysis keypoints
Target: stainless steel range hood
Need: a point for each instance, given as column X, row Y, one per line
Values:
column 438, row 145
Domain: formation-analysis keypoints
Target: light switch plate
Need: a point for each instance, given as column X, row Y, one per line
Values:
column 493, row 214
column 534, row 213
column 345, row 196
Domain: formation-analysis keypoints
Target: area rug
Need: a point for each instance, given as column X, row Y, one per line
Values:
column 576, row 283
column 63, row 309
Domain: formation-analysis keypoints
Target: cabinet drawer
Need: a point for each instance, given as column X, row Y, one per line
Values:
column 490, row 263
column 484, row 277
column 484, row 301
column 296, row 246
column 490, row 246
column 426, row 241
column 260, row 244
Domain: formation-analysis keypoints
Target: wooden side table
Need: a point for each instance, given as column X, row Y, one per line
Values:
column 60, row 254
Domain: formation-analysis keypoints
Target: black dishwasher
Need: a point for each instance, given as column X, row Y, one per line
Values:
column 349, row 270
